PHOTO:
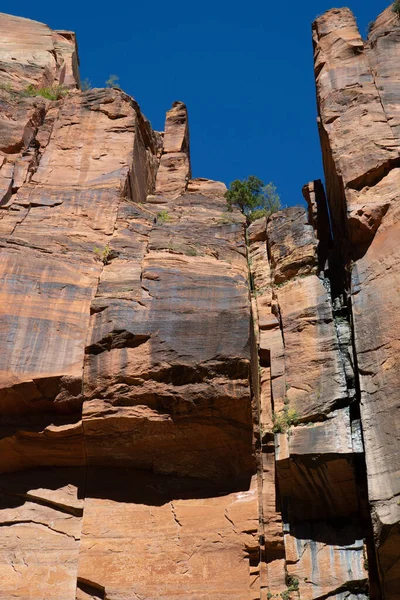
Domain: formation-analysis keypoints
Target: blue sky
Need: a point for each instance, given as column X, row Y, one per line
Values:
column 244, row 69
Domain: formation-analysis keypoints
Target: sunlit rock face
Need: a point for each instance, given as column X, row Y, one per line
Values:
column 192, row 406
column 359, row 103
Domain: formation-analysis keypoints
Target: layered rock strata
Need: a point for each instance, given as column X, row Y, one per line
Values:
column 191, row 407
column 314, row 533
column 357, row 90
column 125, row 372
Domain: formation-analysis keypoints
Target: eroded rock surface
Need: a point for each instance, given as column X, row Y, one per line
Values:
column 126, row 344
column 185, row 399
column 357, row 89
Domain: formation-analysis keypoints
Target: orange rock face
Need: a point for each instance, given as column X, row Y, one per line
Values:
column 126, row 345
column 302, row 399
column 357, row 88
column 191, row 407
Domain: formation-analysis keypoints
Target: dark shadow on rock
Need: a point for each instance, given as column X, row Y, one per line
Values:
column 143, row 487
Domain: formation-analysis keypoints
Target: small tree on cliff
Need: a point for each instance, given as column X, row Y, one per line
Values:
column 253, row 197
column 396, row 7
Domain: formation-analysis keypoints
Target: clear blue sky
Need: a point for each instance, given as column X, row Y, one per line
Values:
column 244, row 69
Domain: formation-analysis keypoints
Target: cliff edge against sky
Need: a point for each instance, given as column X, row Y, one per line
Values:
column 191, row 407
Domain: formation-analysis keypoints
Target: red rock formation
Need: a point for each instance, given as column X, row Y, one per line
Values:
column 126, row 345
column 358, row 104
column 171, row 424
column 302, row 395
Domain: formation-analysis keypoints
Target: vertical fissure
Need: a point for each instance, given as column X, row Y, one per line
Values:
column 337, row 281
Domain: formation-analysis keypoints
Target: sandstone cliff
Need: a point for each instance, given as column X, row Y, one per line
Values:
column 190, row 407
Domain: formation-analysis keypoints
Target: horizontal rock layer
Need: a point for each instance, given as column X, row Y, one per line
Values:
column 357, row 90
column 185, row 399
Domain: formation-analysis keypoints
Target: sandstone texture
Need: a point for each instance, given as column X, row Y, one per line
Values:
column 314, row 532
column 357, row 90
column 192, row 406
column 126, row 324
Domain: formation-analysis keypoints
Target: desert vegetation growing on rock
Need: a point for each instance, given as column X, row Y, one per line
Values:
column 103, row 254
column 253, row 197
column 54, row 92
column 163, row 217
column 112, row 81
column 284, row 420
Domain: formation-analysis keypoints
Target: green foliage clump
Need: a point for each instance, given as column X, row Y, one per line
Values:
column 284, row 419
column 103, row 254
column 253, row 197
column 396, row 7
column 54, row 92
column 164, row 217
column 370, row 27
column 292, row 583
column 86, row 85
column 113, row 81
column 292, row 586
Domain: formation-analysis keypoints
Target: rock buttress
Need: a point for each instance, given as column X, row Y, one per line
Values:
column 125, row 372
column 311, row 520
column 358, row 116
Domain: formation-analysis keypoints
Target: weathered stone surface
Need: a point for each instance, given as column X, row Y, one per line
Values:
column 329, row 559
column 315, row 380
column 351, row 114
column 174, row 171
column 376, row 277
column 40, row 521
column 31, row 53
column 315, row 469
column 206, row 187
column 291, row 243
column 303, row 375
column 359, row 110
column 173, row 365
column 383, row 55
column 219, row 431
column 169, row 537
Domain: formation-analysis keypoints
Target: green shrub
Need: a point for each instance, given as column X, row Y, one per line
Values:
column 292, row 583
column 103, row 254
column 163, row 217
column 396, row 7
column 54, row 92
column 86, row 85
column 253, row 197
column 370, row 27
column 284, row 419
column 113, row 81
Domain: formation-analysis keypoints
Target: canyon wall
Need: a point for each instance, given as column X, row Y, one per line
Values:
column 191, row 407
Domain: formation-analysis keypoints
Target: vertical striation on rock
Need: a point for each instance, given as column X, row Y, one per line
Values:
column 174, row 171
column 126, row 337
column 313, row 524
column 357, row 83
column 191, row 406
